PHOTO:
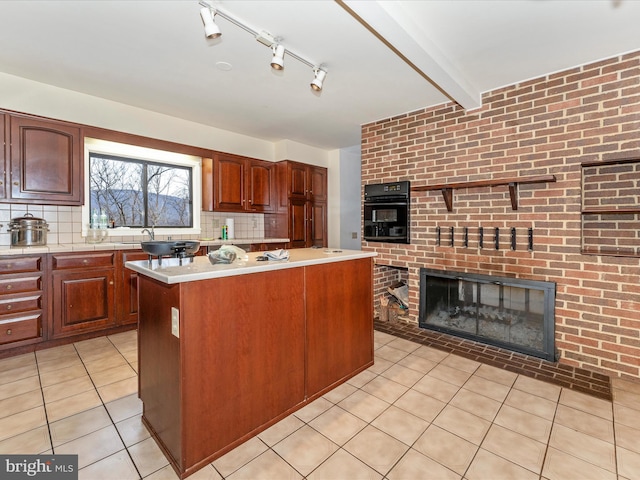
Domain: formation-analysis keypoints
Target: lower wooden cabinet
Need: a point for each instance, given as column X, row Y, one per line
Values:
column 83, row 292
column 127, row 291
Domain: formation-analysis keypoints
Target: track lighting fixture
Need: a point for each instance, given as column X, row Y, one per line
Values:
column 212, row 30
column 319, row 74
column 277, row 62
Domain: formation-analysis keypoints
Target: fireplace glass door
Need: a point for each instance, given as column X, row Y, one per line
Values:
column 510, row 313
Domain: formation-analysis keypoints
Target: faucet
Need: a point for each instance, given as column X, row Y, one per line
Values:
column 150, row 232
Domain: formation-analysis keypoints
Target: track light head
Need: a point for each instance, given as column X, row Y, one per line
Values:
column 320, row 75
column 277, row 62
column 211, row 29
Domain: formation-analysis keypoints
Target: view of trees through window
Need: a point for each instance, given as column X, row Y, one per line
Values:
column 139, row 193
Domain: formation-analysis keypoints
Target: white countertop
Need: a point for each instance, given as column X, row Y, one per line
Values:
column 201, row 269
column 128, row 245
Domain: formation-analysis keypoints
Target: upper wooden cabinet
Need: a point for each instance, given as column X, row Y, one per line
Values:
column 238, row 184
column 306, row 181
column 44, row 162
column 3, row 152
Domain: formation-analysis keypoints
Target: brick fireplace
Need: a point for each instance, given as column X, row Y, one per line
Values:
column 555, row 126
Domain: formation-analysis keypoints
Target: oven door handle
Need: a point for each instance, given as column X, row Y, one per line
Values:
column 369, row 203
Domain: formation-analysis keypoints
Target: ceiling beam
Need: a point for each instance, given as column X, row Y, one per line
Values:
column 400, row 33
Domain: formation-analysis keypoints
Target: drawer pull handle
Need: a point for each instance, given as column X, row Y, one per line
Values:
column 16, row 183
column 8, row 331
column 9, row 287
column 9, row 307
column 111, row 282
column 85, row 261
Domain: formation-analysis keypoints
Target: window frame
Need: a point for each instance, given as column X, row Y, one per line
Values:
column 155, row 156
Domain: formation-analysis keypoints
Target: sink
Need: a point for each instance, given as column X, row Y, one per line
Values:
column 134, row 242
column 166, row 248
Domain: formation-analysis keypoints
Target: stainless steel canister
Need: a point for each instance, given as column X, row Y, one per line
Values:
column 28, row 231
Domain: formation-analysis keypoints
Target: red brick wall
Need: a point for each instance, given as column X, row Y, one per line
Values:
column 546, row 126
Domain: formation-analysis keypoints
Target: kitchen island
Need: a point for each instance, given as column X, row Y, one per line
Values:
column 249, row 344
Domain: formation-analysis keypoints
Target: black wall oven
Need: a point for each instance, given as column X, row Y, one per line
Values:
column 386, row 212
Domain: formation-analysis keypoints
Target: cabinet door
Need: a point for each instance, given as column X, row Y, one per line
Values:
column 128, row 289
column 318, row 225
column 82, row 301
column 298, row 223
column 261, row 186
column 207, row 184
column 297, row 177
column 3, row 152
column 45, row 162
column 228, row 181
column 318, row 180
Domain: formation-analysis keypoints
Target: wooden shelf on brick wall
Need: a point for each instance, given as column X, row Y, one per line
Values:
column 448, row 188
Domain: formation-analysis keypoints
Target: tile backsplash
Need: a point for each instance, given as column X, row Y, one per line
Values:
column 65, row 224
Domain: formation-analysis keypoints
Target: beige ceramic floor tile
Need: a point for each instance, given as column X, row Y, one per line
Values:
column 586, row 423
column 343, row 465
column 463, row 424
column 339, row 393
column 105, row 377
column 376, row 449
column 450, row 375
column 413, row 465
column 79, row 425
column 338, row 425
column 487, row 465
column 625, row 415
column 524, row 423
column 206, row 473
column 18, row 361
column 19, row 387
column 72, row 405
column 280, row 430
column 627, row 398
column 132, row 430
column 119, row 389
column 438, row 389
column 497, row 375
column 460, row 363
column 622, row 384
column 364, row 405
column 33, row 442
column 56, row 353
column 362, row 378
column 627, row 437
column 402, row 375
column 516, row 448
column 423, row 406
column 97, row 354
column 385, row 389
column 239, row 456
column 390, row 354
column 92, row 344
column 105, row 364
column 147, row 456
column 380, row 365
column 114, row 466
column 446, row 448
column 305, row 450
column 382, row 338
column 268, row 465
column 66, row 389
column 587, row 403
column 168, row 473
column 94, row 446
column 22, row 422
column 430, row 353
column 531, row 403
column 313, row 409
column 583, row 446
column 418, row 363
column 538, row 388
column 479, row 405
column 559, row 465
column 62, row 375
column 488, row 388
column 404, row 345
column 134, row 366
column 401, row 425
column 18, row 373
column 20, row 403
column 628, row 462
column 59, row 363
column 124, row 408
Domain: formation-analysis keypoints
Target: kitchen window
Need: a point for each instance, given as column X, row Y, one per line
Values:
column 138, row 187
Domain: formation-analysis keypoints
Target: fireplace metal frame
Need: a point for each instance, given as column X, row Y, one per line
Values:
column 549, row 289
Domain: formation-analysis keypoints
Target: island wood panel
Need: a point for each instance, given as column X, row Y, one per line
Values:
column 159, row 361
column 339, row 314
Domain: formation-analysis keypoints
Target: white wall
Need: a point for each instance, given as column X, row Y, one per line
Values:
column 344, row 198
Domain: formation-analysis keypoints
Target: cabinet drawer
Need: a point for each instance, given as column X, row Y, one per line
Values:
column 60, row 262
column 20, row 264
column 20, row 304
column 21, row 284
column 21, row 328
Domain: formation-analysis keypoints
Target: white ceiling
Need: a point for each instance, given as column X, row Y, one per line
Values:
column 154, row 55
